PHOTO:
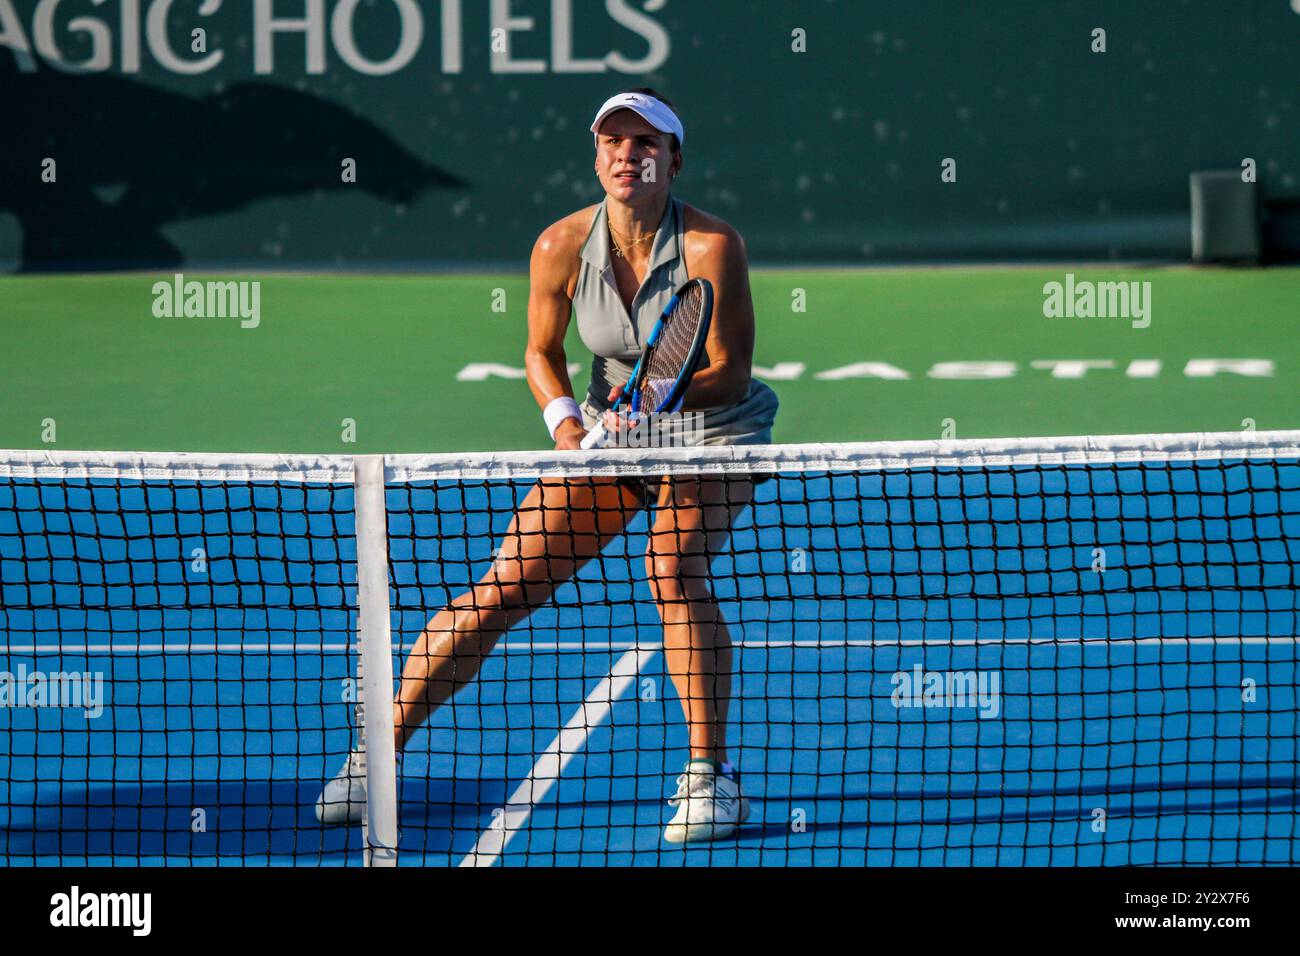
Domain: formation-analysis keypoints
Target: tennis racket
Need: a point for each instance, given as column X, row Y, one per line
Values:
column 672, row 353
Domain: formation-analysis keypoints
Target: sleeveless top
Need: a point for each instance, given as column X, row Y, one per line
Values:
column 617, row 337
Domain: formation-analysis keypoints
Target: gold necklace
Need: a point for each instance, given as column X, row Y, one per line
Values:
column 614, row 246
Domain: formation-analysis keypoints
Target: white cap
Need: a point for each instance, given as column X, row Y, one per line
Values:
column 652, row 110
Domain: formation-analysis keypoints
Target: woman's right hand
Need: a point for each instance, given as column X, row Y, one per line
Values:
column 614, row 421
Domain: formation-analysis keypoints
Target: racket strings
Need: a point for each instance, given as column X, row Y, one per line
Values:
column 671, row 352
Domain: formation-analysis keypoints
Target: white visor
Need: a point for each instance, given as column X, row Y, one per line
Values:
column 651, row 110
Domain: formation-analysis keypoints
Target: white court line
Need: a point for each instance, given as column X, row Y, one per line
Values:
column 967, row 642
column 525, row 646
column 174, row 648
column 548, row 767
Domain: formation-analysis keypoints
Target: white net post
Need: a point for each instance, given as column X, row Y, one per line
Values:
column 375, row 667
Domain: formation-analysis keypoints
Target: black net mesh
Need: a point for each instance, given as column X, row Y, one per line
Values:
column 1022, row 665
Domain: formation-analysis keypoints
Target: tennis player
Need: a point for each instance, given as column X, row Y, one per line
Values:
column 614, row 267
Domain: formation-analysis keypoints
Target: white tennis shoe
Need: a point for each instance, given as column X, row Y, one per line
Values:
column 709, row 805
column 344, row 798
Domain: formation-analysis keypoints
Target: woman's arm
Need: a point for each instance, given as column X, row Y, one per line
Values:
column 549, row 306
column 721, row 259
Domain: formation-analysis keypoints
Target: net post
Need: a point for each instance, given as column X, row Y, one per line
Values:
column 375, row 667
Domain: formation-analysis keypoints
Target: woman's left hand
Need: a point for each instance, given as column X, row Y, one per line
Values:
column 569, row 435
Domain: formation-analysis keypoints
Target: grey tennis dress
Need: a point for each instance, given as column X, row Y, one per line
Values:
column 616, row 339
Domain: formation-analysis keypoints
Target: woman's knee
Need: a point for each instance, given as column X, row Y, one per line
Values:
column 503, row 598
column 676, row 578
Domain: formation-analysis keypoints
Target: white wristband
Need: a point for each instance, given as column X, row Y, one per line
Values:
column 558, row 410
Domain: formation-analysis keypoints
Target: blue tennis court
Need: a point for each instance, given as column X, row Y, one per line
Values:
column 932, row 669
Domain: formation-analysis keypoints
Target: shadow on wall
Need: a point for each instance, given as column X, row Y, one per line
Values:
column 133, row 158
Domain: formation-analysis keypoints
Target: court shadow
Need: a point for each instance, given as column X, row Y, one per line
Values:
column 257, row 821
column 1137, row 801
column 1030, row 805
column 436, row 800
column 241, row 820
column 138, row 158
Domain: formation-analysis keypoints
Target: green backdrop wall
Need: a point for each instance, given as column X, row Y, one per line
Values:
column 231, row 156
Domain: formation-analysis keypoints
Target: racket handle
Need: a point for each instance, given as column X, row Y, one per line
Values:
column 598, row 437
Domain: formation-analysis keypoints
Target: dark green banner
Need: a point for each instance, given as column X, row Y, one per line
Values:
column 222, row 133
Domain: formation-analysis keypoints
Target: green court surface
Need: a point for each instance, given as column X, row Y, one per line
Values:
column 434, row 363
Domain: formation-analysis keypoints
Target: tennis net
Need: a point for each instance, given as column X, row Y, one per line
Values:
column 1029, row 652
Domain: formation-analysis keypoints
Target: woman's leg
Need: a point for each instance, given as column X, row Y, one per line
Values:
column 691, row 525
column 559, row 527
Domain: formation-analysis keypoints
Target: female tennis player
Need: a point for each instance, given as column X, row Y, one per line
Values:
column 614, row 266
